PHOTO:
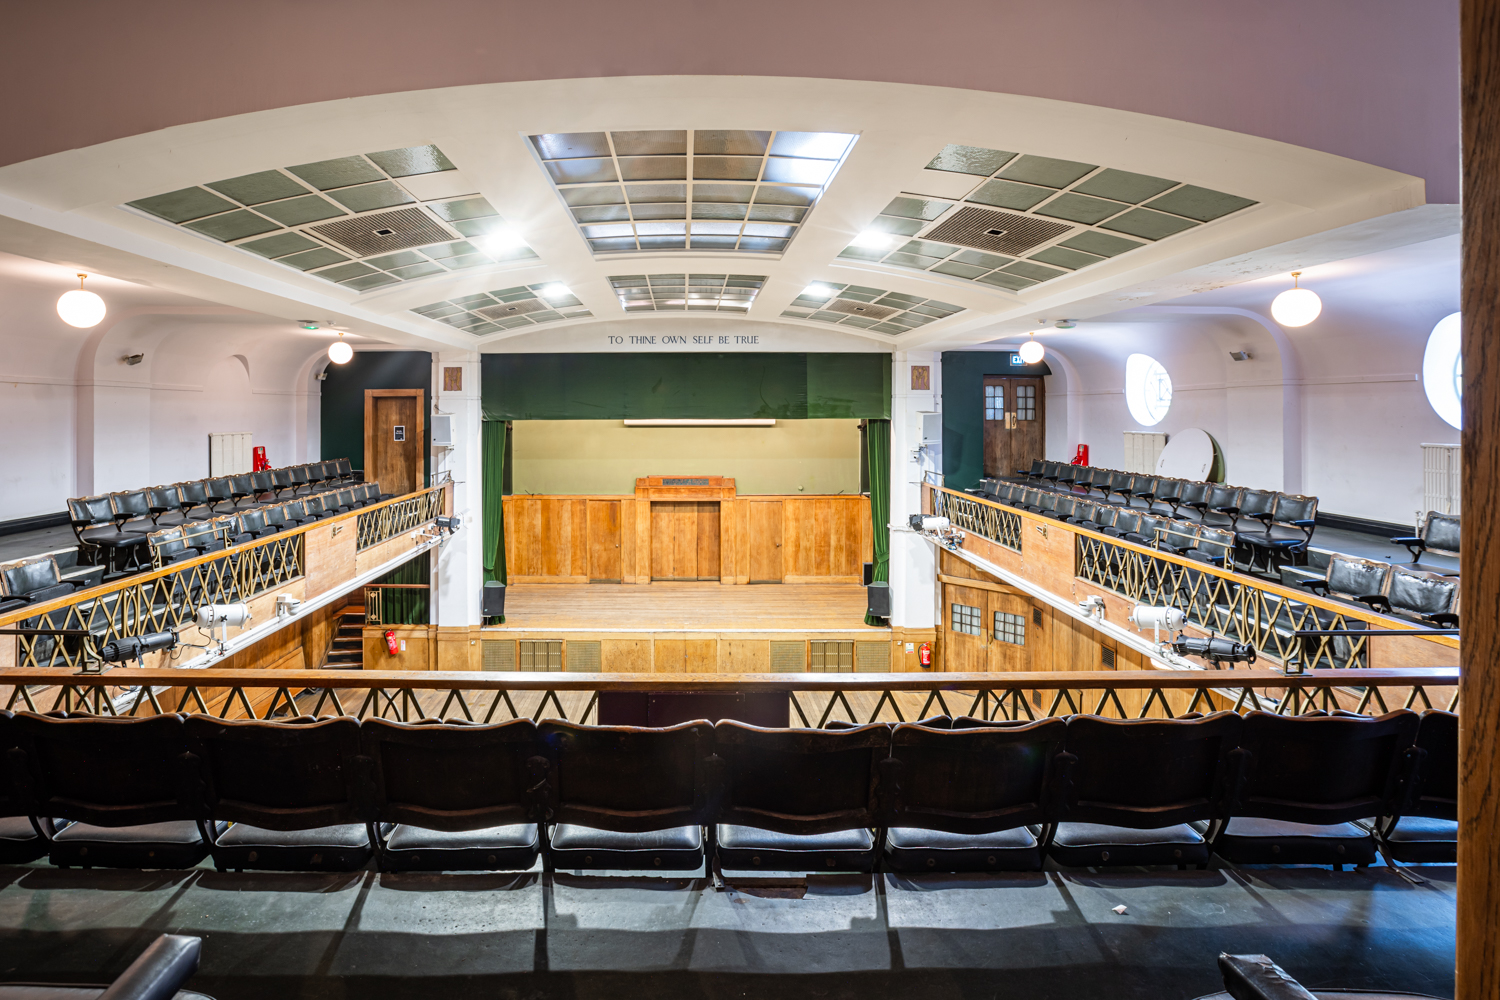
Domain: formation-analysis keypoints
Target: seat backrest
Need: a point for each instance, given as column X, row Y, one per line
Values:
column 1258, row 502
column 279, row 776
column 1225, row 496
column 1065, row 507
column 130, row 504
column 453, row 777
column 1440, row 532
column 1127, row 522
column 1051, row 469
column 1419, row 593
column 164, row 496
column 13, row 800
column 264, row 481
column 197, row 534
column 976, row 780
column 1215, row 542
column 165, row 544
column 108, row 771
column 801, row 781
column 1119, row 481
column 91, row 510
column 1350, row 576
column 1169, row 487
column 274, row 515
column 242, row 485
column 1030, row 497
column 1326, row 769
column 1180, row 534
column 193, row 493
column 301, row 474
column 252, row 520
column 1105, row 515
column 1291, row 507
column 1437, row 775
column 28, row 575
column 1193, row 492
column 295, row 508
column 343, row 467
column 345, row 498
column 219, row 489
column 627, row 778
column 1037, row 465
column 281, row 478
column 1047, row 501
column 226, row 528
column 1146, row 773
column 1084, row 510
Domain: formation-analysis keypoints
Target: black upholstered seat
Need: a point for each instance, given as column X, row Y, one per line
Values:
column 171, row 844
column 795, row 785
column 1430, row 598
column 1426, row 830
column 341, row 847
column 1439, row 533
column 20, row 838
column 166, row 506
column 219, row 491
column 1137, row 784
column 94, row 524
column 34, row 580
column 1311, row 777
column 626, row 797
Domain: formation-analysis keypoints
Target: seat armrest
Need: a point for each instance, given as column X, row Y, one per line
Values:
column 1443, row 619
column 1409, row 540
column 1227, row 510
column 1265, row 519
column 1376, row 602
column 1305, row 523
column 1162, row 498
column 1198, row 505
column 1316, row 586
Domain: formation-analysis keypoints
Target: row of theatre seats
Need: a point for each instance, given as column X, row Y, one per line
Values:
column 946, row 795
column 115, row 525
column 1402, row 591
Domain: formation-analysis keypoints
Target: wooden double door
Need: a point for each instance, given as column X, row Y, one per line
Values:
column 685, row 539
column 986, row 630
column 1015, row 424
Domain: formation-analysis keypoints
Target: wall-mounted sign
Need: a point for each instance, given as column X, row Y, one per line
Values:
column 453, row 379
column 399, row 432
column 1016, row 362
column 921, row 377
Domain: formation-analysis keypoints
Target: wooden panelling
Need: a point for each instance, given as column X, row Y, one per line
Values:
column 764, row 542
column 604, row 532
column 626, row 655
column 748, row 656
column 685, row 540
column 686, row 656
column 331, row 554
column 546, row 539
column 823, row 538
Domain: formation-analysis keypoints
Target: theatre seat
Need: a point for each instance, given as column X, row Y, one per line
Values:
column 20, row 842
column 173, row 844
column 1254, row 840
column 1085, row 845
column 1426, row 830
column 909, row 849
column 498, row 848
column 342, row 848
column 749, row 848
column 678, row 848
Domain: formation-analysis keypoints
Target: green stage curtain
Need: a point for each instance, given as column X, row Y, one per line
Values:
column 878, row 457
column 399, row 606
column 492, row 459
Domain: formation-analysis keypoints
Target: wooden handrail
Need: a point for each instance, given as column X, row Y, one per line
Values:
column 1301, row 596
column 490, row 680
column 136, row 579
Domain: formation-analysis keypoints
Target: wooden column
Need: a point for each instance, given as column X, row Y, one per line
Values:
column 1478, row 956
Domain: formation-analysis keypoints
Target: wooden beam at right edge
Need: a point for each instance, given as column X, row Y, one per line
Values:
column 1478, row 946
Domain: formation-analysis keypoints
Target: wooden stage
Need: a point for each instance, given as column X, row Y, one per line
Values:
column 687, row 607
column 690, row 627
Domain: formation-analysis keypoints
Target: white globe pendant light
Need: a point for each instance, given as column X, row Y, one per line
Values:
column 340, row 352
column 80, row 308
column 1031, row 351
column 1296, row 306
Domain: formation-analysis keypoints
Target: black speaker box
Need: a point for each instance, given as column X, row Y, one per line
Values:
column 494, row 600
column 869, row 574
column 879, row 603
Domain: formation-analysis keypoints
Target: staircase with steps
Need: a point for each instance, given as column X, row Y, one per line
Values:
column 347, row 651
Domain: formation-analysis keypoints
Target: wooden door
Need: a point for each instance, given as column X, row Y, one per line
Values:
column 1015, row 424
column 765, row 542
column 965, row 624
column 1012, row 632
column 605, row 564
column 685, row 540
column 395, row 436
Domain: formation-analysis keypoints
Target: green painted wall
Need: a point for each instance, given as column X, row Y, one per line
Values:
column 343, row 400
column 963, row 410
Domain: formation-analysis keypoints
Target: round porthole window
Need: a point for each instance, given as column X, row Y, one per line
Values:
column 1148, row 389
column 1442, row 371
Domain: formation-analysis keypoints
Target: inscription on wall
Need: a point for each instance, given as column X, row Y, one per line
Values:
column 677, row 342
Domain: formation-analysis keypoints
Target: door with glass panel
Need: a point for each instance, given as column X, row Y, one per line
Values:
column 986, row 630
column 1015, row 424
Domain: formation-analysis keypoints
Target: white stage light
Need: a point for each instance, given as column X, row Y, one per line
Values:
column 1031, row 352
column 80, row 308
column 1296, row 306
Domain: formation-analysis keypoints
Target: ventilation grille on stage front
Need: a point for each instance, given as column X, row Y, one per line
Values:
column 788, row 657
column 540, row 654
column 872, row 657
column 997, row 232
column 368, row 235
column 830, row 657
column 498, row 654
column 584, row 655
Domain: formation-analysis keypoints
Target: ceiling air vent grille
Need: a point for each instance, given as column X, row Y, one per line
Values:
column 869, row 309
column 997, row 232
column 385, row 232
column 506, row 310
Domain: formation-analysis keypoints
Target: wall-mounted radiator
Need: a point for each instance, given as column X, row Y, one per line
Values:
column 229, row 454
column 1142, row 451
column 1440, row 478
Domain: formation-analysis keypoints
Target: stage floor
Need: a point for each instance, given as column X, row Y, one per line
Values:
column 687, row 607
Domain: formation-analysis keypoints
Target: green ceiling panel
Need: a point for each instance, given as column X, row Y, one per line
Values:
column 466, row 261
column 776, row 213
column 1062, row 257
column 736, row 168
column 729, row 142
column 927, row 248
column 860, row 253
column 581, row 171
column 917, row 208
column 594, row 196
column 417, row 270
column 412, row 160
column 296, row 211
column 1121, row 185
column 859, row 322
column 911, row 260
column 183, row 206
column 1078, row 208
column 369, row 281
column 710, row 211
column 668, row 142
column 1046, row 171
column 968, row 271
column 653, row 168
column 1102, row 244
column 321, row 257
column 1007, row 194
column 345, row 271
column 571, row 145
column 602, row 213
column 279, row 245
column 253, row 189
column 455, row 249
column 1147, row 224
column 478, row 227
column 1200, row 203
column 888, row 328
column 516, row 253
column 969, row 160
column 327, row 174
column 382, row 194
column 782, row 195
column 1036, row 272
column 233, row 225
column 678, row 210
column 988, row 261
column 899, row 300
column 403, row 259
column 1012, row 281
column 463, row 208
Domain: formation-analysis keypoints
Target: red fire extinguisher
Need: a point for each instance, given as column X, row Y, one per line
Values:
column 1081, row 457
column 924, row 654
column 258, row 459
column 390, row 642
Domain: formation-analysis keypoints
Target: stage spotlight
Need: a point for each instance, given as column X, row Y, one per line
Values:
column 136, row 646
column 448, row 524
column 1215, row 649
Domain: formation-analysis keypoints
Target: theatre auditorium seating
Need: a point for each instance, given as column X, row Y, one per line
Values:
column 1416, row 595
column 1439, row 534
column 943, row 795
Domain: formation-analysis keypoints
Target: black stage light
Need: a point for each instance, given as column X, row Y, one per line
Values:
column 135, row 646
column 1214, row 649
column 449, row 524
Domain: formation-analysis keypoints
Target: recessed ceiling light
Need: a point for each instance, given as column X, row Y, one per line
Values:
column 556, row 290
column 817, row 291
column 503, row 238
column 873, row 239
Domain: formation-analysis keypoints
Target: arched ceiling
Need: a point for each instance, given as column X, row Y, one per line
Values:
column 884, row 216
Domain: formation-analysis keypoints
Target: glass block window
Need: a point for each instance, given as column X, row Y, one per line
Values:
column 967, row 620
column 1025, row 402
column 1010, row 628
column 994, row 402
